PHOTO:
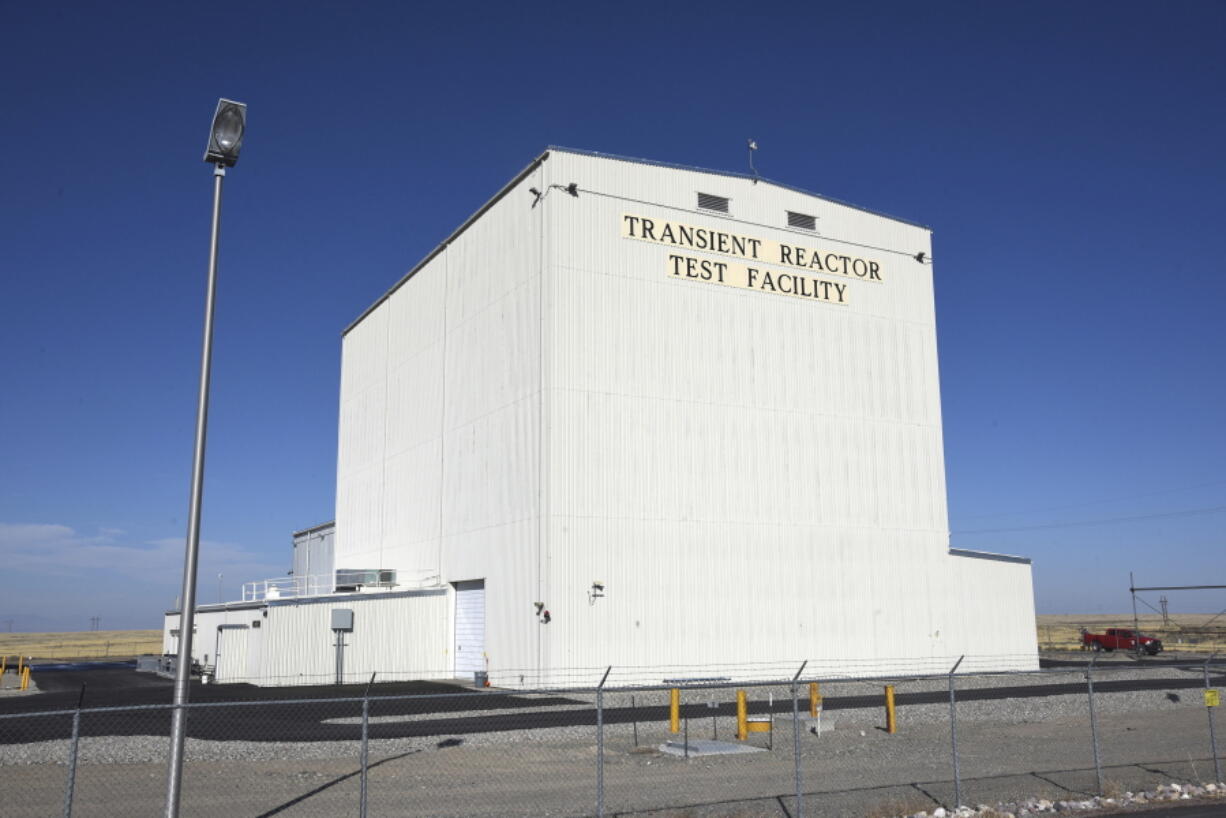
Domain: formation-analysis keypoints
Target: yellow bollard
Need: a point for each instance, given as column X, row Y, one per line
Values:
column 674, row 710
column 815, row 699
column 19, row 662
column 890, row 725
column 742, row 716
column 4, row 664
column 25, row 678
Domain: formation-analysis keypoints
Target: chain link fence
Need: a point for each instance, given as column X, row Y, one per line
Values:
column 799, row 745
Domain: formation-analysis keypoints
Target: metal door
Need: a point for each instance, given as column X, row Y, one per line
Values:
column 469, row 626
column 231, row 661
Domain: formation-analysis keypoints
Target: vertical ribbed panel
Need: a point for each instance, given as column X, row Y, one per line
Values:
column 752, row 477
column 398, row 636
column 440, row 420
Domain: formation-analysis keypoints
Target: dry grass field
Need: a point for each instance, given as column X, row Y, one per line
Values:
column 81, row 645
column 1194, row 633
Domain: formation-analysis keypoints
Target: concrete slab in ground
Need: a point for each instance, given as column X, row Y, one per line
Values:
column 10, row 685
column 708, row 747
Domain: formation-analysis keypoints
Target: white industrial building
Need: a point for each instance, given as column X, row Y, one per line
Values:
column 677, row 421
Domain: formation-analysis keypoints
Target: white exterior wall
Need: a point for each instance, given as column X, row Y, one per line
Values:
column 313, row 563
column 754, row 478
column 400, row 636
column 439, row 441
column 990, row 613
column 206, row 621
column 397, row 636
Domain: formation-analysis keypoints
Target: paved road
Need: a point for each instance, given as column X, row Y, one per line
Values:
column 436, row 709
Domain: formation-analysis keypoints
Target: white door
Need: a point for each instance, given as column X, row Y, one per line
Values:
column 231, row 660
column 469, row 626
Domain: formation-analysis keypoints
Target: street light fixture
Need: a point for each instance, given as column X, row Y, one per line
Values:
column 226, row 137
column 225, row 141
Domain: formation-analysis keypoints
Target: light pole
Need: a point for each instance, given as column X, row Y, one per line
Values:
column 219, row 576
column 225, row 141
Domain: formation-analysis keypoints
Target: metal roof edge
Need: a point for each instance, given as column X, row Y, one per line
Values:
column 340, row 596
column 455, row 234
column 735, row 175
column 352, row 596
column 523, row 174
column 222, row 606
column 988, row 555
column 314, row 528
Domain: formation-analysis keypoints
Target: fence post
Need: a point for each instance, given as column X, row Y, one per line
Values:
column 1098, row 769
column 365, row 745
column 796, row 737
column 71, row 787
column 634, row 714
column 600, row 743
column 953, row 732
column 1217, row 765
column 686, row 738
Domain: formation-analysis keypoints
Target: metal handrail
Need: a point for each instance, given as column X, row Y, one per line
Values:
column 322, row 584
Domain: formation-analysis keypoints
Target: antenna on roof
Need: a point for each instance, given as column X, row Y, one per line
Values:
column 753, row 146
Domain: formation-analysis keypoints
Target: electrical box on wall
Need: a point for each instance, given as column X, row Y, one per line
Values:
column 342, row 619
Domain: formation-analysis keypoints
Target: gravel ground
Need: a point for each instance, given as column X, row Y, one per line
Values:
column 142, row 749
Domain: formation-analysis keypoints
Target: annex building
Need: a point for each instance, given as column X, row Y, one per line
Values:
column 678, row 421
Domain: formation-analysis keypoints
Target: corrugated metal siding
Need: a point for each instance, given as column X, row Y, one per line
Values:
column 753, row 477
column 440, row 421
column 207, row 621
column 313, row 552
column 401, row 636
column 776, row 463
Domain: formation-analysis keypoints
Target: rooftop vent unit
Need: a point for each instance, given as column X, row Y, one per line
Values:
column 708, row 202
column 355, row 579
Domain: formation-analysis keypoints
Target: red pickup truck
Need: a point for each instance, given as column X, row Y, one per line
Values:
column 1121, row 639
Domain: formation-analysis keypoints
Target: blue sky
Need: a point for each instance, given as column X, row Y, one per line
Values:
column 1069, row 158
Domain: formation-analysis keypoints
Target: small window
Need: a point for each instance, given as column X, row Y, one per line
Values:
column 708, row 202
column 801, row 221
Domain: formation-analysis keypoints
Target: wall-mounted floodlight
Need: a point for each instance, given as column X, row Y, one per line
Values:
column 226, row 137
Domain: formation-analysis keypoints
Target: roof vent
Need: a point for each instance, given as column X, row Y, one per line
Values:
column 801, row 221
column 708, row 202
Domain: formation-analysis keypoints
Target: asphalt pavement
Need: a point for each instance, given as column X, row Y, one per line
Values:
column 322, row 713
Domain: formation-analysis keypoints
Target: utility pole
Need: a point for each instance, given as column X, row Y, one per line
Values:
column 1166, row 619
